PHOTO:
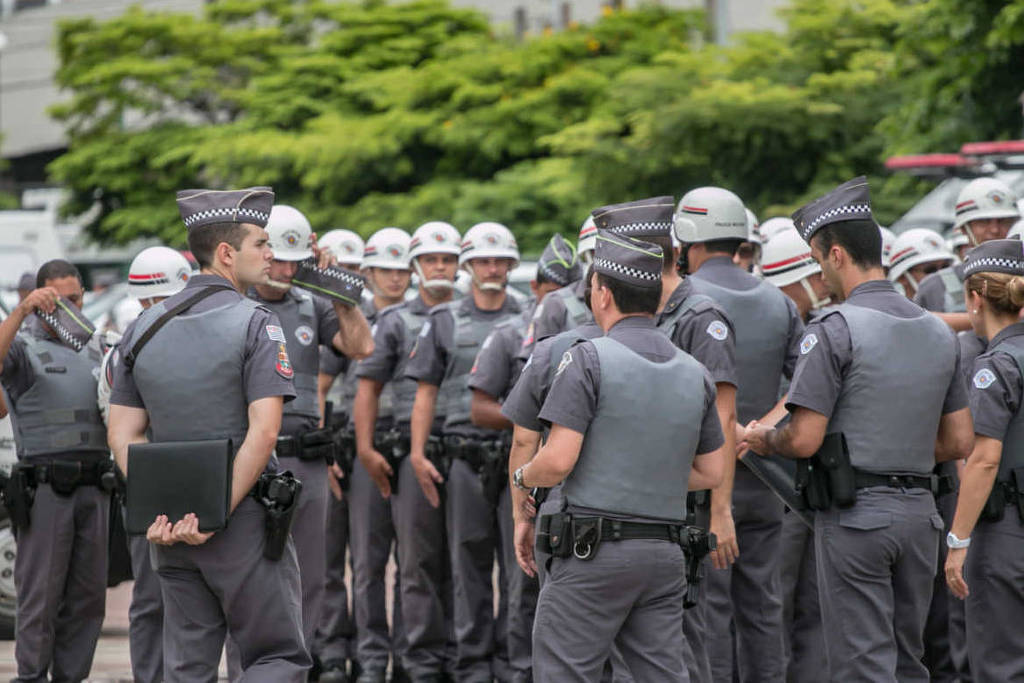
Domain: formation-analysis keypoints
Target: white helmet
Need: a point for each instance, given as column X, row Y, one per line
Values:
column 158, row 271
column 345, row 245
column 290, row 236
column 709, row 213
column 773, row 226
column 488, row 240
column 914, row 247
column 586, row 243
column 985, row 198
column 888, row 239
column 435, row 237
column 1017, row 231
column 787, row 259
column 387, row 248
column 753, row 228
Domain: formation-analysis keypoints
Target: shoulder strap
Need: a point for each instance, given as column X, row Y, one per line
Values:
column 129, row 358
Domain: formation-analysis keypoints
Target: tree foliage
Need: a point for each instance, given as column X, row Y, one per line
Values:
column 373, row 114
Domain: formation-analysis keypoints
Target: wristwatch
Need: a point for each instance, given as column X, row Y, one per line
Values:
column 953, row 542
column 517, row 478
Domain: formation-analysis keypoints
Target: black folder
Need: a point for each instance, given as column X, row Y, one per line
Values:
column 176, row 478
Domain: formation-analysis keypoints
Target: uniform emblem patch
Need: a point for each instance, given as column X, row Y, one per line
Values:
column 984, row 378
column 564, row 363
column 809, row 342
column 283, row 366
column 275, row 333
column 528, row 339
column 718, row 330
column 304, row 334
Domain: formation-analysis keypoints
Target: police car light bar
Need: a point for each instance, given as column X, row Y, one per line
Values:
column 936, row 165
column 988, row 149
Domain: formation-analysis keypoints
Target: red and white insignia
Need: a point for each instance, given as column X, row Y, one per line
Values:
column 283, row 365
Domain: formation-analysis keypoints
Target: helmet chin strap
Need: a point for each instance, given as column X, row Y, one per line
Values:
column 282, row 286
column 816, row 303
column 966, row 227
column 439, row 286
column 486, row 286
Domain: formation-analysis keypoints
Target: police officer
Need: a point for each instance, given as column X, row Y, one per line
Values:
column 790, row 266
column 441, row 362
column 307, row 322
column 371, row 530
column 60, row 573
column 988, row 529
column 622, row 580
column 154, row 274
column 986, row 209
column 497, row 367
column 888, row 239
column 710, row 222
column 565, row 310
column 916, row 254
column 334, row 642
column 900, row 406
column 418, row 526
column 748, row 255
column 219, row 369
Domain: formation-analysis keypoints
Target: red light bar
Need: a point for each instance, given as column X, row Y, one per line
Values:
column 911, row 161
column 981, row 149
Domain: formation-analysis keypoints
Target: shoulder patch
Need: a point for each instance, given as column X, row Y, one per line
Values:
column 275, row 333
column 283, row 365
column 564, row 363
column 425, row 330
column 808, row 343
column 718, row 330
column 984, row 378
column 304, row 333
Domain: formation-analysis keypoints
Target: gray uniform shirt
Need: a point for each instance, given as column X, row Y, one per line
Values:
column 707, row 335
column 819, row 376
column 931, row 293
column 572, row 399
column 996, row 387
column 263, row 375
column 502, row 356
column 552, row 314
column 327, row 327
column 429, row 358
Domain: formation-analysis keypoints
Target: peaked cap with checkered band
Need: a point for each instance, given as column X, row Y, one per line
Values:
column 208, row 207
column 996, row 256
column 642, row 218
column 630, row 260
column 849, row 202
column 559, row 262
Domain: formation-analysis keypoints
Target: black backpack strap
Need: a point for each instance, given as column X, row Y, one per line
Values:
column 129, row 358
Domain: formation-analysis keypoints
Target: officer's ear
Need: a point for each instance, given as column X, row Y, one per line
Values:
column 224, row 253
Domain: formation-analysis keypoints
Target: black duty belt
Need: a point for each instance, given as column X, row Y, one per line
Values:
column 563, row 534
column 315, row 445
column 64, row 476
column 929, row 482
column 476, row 452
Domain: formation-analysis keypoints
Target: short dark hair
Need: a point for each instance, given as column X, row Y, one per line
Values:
column 665, row 242
column 203, row 241
column 543, row 279
column 723, row 246
column 630, row 298
column 588, row 288
column 55, row 270
column 861, row 239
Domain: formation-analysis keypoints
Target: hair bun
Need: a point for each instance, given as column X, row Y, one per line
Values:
column 1015, row 291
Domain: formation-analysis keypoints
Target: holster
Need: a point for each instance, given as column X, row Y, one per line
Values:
column 539, row 495
column 812, row 483
column 19, row 492
column 553, row 534
column 995, row 505
column 698, row 545
column 437, row 456
column 317, row 445
column 494, row 471
column 1017, row 479
column 344, row 454
column 394, row 446
column 827, row 477
column 279, row 496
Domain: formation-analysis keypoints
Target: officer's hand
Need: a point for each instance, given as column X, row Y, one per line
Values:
column 44, row 298
column 186, row 530
column 334, row 473
column 323, row 257
column 527, row 508
column 428, row 477
column 379, row 469
column 524, row 547
column 724, row 529
column 756, row 438
column 741, row 435
column 955, row 572
column 159, row 531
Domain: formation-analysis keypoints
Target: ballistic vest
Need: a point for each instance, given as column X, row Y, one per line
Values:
column 576, row 312
column 302, row 330
column 639, row 448
column 59, row 412
column 760, row 319
column 892, row 395
column 954, row 297
column 403, row 389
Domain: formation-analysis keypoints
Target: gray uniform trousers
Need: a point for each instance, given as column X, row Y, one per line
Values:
column 748, row 594
column 695, row 619
column 420, row 536
column 473, row 538
column 522, row 593
column 60, row 575
column 308, row 529
column 227, row 585
column 801, row 614
column 876, row 562
column 945, row 616
column 335, row 634
column 630, row 595
column 145, row 616
column 370, row 537
column 994, row 572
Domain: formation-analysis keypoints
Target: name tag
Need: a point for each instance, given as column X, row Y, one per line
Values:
column 56, row 369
